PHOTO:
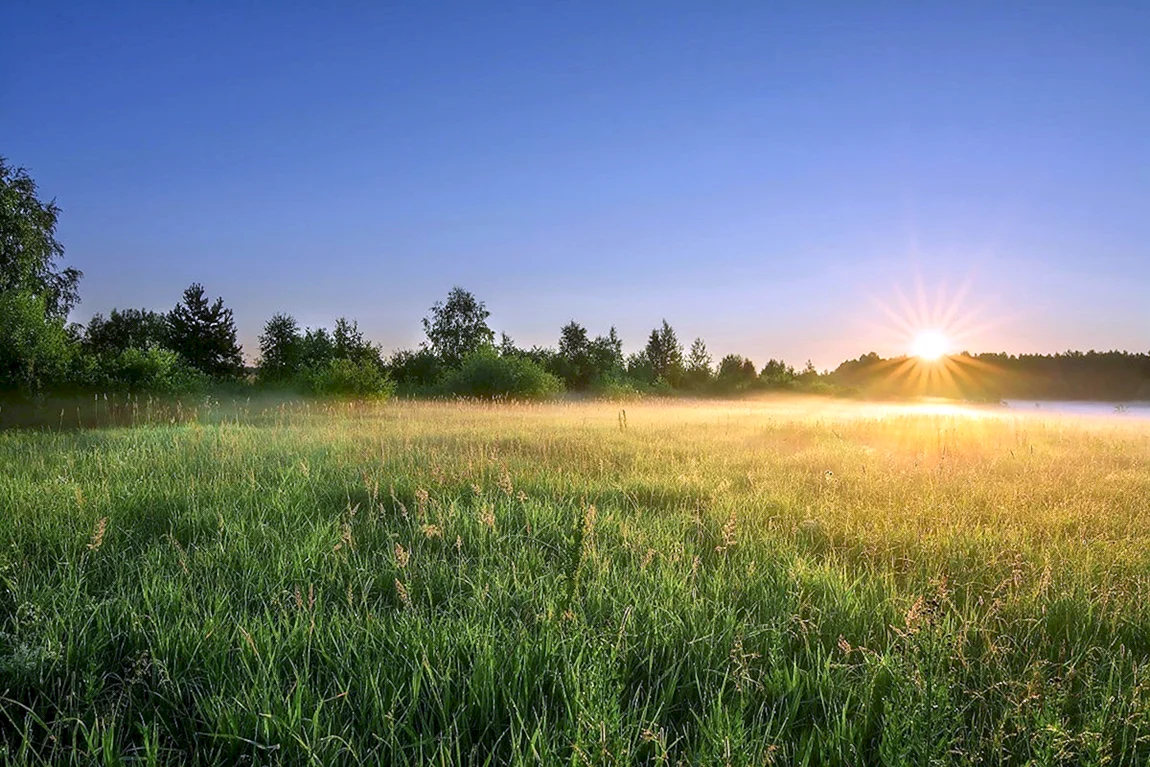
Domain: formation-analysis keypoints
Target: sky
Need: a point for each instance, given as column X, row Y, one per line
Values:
column 797, row 181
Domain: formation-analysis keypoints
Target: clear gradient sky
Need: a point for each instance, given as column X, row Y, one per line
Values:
column 766, row 176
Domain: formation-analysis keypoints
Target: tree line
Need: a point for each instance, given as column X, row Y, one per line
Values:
column 1114, row 376
column 193, row 346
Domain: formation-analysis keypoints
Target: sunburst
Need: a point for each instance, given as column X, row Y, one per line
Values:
column 930, row 334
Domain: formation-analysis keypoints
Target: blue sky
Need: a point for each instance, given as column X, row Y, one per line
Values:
column 767, row 176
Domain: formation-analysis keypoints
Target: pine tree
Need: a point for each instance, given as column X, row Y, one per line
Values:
column 665, row 354
column 203, row 332
column 699, row 370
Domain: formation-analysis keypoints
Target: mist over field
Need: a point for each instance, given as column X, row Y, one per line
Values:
column 781, row 581
column 587, row 384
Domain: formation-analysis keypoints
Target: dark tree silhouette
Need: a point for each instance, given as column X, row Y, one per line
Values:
column 664, row 353
column 281, row 348
column 349, row 343
column 699, row 363
column 316, row 348
column 1113, row 376
column 124, row 329
column 575, row 363
column 736, row 372
column 203, row 332
column 458, row 327
column 777, row 374
column 507, row 347
column 607, row 356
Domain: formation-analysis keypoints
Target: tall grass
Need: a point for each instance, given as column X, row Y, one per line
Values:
column 413, row 583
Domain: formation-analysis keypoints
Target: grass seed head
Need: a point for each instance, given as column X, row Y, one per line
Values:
column 98, row 534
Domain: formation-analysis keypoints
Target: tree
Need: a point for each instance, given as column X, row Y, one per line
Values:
column 349, row 343
column 29, row 249
column 204, row 334
column 607, row 356
column 574, row 358
column 507, row 347
column 777, row 374
column 699, row 371
column 458, row 327
column 281, row 349
column 124, row 329
column 736, row 372
column 665, row 354
column 415, row 369
column 35, row 350
column 316, row 348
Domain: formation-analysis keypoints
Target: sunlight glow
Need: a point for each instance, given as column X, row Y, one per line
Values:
column 929, row 345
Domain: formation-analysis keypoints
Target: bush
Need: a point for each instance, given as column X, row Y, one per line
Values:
column 35, row 349
column 418, row 371
column 155, row 370
column 615, row 389
column 349, row 378
column 487, row 375
column 661, row 387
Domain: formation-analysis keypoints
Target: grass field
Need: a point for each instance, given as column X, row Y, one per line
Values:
column 705, row 583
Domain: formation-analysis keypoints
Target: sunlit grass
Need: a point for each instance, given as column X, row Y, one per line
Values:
column 786, row 582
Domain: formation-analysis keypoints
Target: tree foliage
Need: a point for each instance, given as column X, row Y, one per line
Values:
column 203, row 333
column 281, row 349
column 125, row 329
column 664, row 354
column 777, row 374
column 575, row 364
column 699, row 372
column 458, row 327
column 29, row 250
column 35, row 348
column 487, row 375
column 736, row 373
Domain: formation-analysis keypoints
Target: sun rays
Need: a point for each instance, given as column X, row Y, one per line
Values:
column 931, row 331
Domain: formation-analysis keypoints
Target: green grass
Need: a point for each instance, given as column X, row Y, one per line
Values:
column 409, row 583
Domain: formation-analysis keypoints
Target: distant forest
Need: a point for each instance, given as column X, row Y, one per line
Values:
column 193, row 348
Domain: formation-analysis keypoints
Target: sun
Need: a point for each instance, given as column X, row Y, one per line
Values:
column 929, row 345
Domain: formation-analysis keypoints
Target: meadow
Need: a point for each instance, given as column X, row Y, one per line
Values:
column 686, row 582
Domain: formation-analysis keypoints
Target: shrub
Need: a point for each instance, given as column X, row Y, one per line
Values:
column 416, row 371
column 154, row 370
column 35, row 349
column 487, row 375
column 614, row 389
column 349, row 378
